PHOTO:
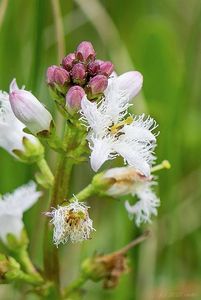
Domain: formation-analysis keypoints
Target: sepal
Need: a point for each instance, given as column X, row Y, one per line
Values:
column 32, row 152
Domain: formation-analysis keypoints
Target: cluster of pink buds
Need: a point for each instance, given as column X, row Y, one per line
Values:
column 80, row 73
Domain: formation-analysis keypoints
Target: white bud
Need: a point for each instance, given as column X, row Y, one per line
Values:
column 28, row 109
column 12, row 136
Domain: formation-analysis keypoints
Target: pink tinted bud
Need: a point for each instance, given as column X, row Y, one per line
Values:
column 106, row 68
column 94, row 67
column 98, row 84
column 50, row 74
column 78, row 73
column 68, row 61
column 85, row 52
column 74, row 97
column 61, row 76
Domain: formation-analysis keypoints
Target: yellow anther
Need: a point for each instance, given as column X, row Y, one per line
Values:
column 115, row 128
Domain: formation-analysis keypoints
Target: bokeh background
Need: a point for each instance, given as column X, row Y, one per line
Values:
column 161, row 39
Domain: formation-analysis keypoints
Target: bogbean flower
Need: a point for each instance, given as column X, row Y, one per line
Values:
column 111, row 134
column 12, row 207
column 29, row 110
column 12, row 136
column 71, row 223
column 128, row 180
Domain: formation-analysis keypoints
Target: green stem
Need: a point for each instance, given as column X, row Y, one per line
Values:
column 59, row 192
column 27, row 266
column 46, row 176
column 84, row 194
column 76, row 284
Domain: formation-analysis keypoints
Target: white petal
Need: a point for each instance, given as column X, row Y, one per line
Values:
column 130, row 83
column 134, row 156
column 93, row 116
column 10, row 224
column 20, row 200
column 13, row 86
column 116, row 101
column 141, row 129
column 147, row 204
column 100, row 153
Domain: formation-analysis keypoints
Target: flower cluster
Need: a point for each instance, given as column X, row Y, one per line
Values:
column 80, row 73
column 90, row 90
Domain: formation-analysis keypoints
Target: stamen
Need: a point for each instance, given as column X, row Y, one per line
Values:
column 115, row 128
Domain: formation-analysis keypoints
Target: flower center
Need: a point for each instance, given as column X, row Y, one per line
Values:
column 116, row 127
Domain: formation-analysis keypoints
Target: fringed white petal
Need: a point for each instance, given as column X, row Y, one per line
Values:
column 101, row 152
column 93, row 118
column 135, row 155
column 146, row 206
column 141, row 129
column 12, row 207
column 115, row 103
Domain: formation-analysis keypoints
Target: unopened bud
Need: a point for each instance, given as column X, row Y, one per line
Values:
column 9, row 269
column 28, row 109
column 61, row 76
column 74, row 97
column 57, row 75
column 50, row 74
column 98, row 84
column 68, row 61
column 94, row 67
column 78, row 73
column 108, row 268
column 85, row 52
column 106, row 68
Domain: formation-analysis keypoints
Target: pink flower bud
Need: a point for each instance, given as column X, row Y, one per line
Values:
column 74, row 97
column 98, row 84
column 106, row 68
column 94, row 67
column 85, row 52
column 61, row 76
column 50, row 74
column 68, row 61
column 78, row 73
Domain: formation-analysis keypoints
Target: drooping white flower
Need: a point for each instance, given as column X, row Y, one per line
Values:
column 11, row 129
column 28, row 109
column 12, row 207
column 71, row 223
column 111, row 134
column 128, row 180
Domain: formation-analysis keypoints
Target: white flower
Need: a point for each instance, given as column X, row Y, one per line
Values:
column 71, row 223
column 110, row 134
column 126, row 181
column 28, row 109
column 11, row 129
column 12, row 207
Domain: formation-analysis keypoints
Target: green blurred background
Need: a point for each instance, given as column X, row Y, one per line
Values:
column 161, row 39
